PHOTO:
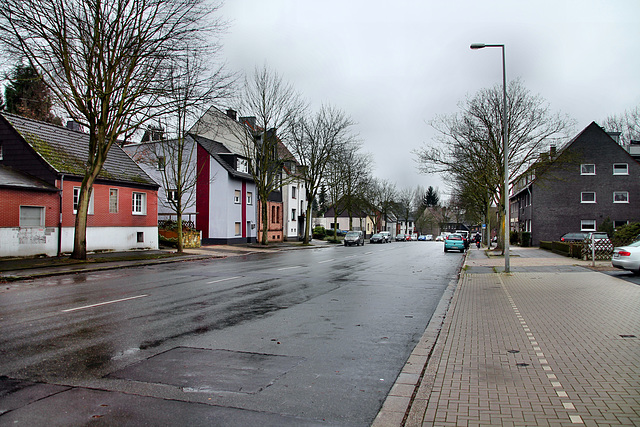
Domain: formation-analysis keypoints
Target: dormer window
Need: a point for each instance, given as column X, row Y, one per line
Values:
column 242, row 165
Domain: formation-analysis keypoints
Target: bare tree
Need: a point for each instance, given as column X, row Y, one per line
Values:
column 405, row 207
column 627, row 123
column 106, row 63
column 273, row 105
column 470, row 143
column 384, row 196
column 314, row 142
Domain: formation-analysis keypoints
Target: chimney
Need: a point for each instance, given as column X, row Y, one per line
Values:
column 552, row 151
column 73, row 125
column 232, row 114
column 615, row 136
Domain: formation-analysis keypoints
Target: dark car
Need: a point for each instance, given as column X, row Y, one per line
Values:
column 400, row 238
column 377, row 238
column 574, row 237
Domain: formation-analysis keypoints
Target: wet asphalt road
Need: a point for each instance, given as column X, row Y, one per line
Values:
column 318, row 334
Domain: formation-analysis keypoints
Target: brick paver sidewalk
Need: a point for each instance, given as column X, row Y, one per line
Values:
column 540, row 348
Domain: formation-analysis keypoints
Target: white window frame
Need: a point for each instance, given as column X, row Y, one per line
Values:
column 585, row 225
column 249, row 198
column 293, row 214
column 76, row 200
column 293, row 191
column 582, row 199
column 582, row 169
column 141, row 207
column 242, row 165
column 111, row 197
column 238, row 230
column 626, row 169
column 27, row 222
column 626, row 196
column 236, row 196
column 172, row 195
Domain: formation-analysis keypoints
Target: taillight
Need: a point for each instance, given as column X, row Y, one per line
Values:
column 624, row 253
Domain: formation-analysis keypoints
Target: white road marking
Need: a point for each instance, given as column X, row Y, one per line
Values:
column 223, row 280
column 329, row 260
column 103, row 303
column 289, row 268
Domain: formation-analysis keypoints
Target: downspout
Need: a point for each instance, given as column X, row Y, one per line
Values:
column 60, row 220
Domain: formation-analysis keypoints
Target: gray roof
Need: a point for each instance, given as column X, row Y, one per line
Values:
column 66, row 151
column 216, row 149
column 14, row 179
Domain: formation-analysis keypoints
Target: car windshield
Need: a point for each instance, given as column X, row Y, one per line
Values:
column 454, row 237
column 353, row 234
column 377, row 235
column 635, row 244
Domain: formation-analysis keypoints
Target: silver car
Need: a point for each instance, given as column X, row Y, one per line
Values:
column 627, row 257
column 354, row 238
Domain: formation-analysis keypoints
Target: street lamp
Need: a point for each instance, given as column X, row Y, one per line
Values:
column 505, row 138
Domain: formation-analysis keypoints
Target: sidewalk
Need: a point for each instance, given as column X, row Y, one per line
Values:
column 13, row 269
column 551, row 344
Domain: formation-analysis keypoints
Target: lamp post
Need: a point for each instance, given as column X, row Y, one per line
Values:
column 505, row 139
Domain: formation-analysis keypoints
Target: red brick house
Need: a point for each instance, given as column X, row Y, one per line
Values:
column 41, row 170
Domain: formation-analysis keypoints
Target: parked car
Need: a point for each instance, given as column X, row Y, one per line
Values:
column 429, row 237
column 400, row 238
column 574, row 237
column 386, row 235
column 454, row 242
column 627, row 257
column 408, row 237
column 422, row 238
column 440, row 238
column 377, row 238
column 354, row 238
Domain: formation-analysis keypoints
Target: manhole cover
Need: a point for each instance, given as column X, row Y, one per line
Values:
column 202, row 370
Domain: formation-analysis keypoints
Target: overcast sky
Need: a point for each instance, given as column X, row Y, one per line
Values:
column 394, row 65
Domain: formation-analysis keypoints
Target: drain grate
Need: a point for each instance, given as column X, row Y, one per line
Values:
column 513, row 351
column 522, row 365
column 627, row 336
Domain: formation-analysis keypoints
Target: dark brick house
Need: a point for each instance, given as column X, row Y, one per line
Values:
column 591, row 179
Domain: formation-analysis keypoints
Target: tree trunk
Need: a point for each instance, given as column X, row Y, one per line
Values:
column 180, row 234
column 307, row 225
column 80, row 234
column 264, row 239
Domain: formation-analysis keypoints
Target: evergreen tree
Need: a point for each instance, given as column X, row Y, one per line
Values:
column 27, row 95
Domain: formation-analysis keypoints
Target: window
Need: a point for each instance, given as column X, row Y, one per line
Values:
column 293, row 192
column 588, row 225
column 249, row 198
column 588, row 197
column 172, row 195
column 31, row 216
column 620, row 169
column 76, row 201
column 617, row 224
column 242, row 165
column 139, row 204
column 161, row 163
column 273, row 214
column 620, row 197
column 140, row 237
column 237, row 228
column 113, row 200
column 293, row 214
column 236, row 196
column 587, row 169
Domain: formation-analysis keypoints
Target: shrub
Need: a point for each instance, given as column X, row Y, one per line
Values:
column 513, row 237
column 525, row 239
column 626, row 234
column 319, row 233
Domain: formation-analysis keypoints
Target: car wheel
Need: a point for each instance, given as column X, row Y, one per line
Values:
column 445, row 249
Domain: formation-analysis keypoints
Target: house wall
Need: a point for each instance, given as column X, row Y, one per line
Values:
column 294, row 227
column 556, row 206
column 275, row 212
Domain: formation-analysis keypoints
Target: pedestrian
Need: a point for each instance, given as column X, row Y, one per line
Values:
column 478, row 238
